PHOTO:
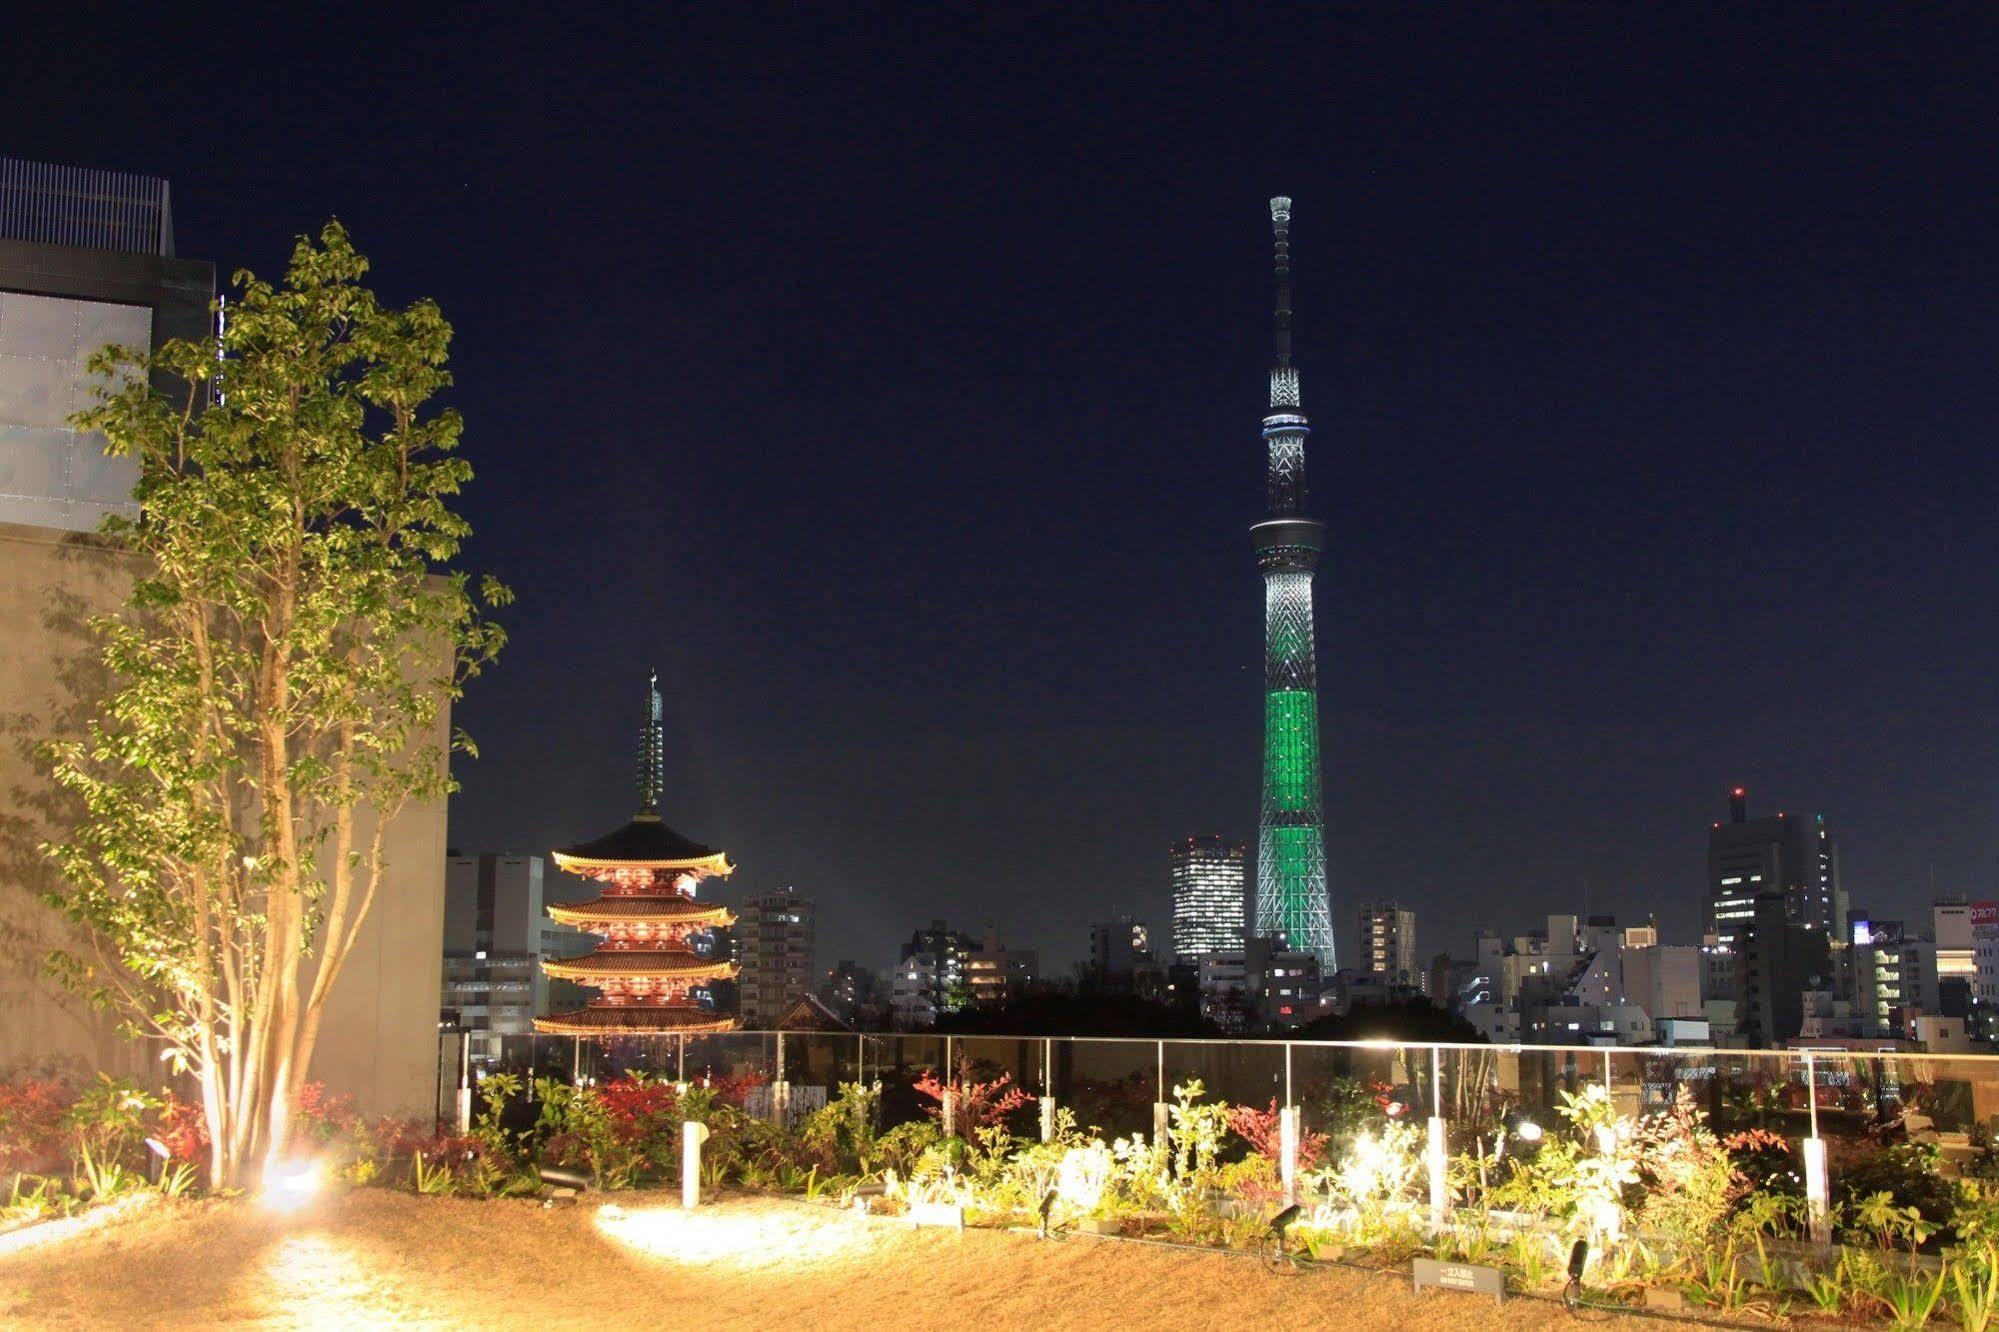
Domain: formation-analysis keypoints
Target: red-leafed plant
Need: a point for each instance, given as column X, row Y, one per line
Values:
column 734, row 1088
column 977, row 1104
column 640, row 1109
column 1263, row 1131
column 325, row 1117
column 32, row 1132
column 181, row 1128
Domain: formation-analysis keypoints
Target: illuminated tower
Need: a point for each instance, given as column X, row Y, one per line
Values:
column 647, row 916
column 1291, row 897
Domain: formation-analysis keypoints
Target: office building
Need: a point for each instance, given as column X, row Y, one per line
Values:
column 1793, row 856
column 774, row 942
column 1210, row 896
column 1778, row 959
column 496, row 933
column 1388, row 945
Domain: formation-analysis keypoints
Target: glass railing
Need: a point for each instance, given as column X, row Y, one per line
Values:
column 1113, row 1084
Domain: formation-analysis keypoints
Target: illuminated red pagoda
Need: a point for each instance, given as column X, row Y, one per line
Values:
column 646, row 913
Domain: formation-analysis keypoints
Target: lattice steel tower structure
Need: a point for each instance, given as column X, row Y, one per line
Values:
column 1291, row 896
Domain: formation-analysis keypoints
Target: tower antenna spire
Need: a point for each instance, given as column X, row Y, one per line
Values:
column 652, row 751
column 1280, row 224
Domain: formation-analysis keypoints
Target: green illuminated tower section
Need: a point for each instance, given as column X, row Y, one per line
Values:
column 1291, row 896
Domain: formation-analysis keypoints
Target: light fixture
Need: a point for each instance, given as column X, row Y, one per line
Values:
column 1047, row 1210
column 1275, row 1255
column 289, row 1185
column 1527, row 1131
column 1572, row 1294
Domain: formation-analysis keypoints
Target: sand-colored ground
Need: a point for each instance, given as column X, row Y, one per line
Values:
column 377, row 1258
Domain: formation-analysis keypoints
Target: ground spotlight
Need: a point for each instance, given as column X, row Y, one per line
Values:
column 160, row 1154
column 1527, row 1131
column 291, row 1184
column 563, row 1183
column 1274, row 1255
column 1572, row 1294
column 1047, row 1210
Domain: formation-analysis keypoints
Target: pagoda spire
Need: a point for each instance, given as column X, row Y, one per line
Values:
column 652, row 751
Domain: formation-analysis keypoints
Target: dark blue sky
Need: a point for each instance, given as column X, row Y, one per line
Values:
column 890, row 377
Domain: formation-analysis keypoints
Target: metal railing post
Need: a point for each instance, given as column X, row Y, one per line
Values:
column 780, row 1090
column 1287, row 1137
column 465, row 1082
column 1047, row 1090
column 1160, row 1118
column 1816, row 1209
column 1439, row 1142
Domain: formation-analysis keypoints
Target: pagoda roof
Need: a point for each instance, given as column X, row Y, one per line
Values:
column 665, row 962
column 644, row 843
column 809, row 1014
column 634, row 909
column 633, row 1020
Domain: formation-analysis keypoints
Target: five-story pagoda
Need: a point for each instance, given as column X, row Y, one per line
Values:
column 646, row 913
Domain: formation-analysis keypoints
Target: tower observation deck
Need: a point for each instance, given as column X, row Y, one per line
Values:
column 1291, row 894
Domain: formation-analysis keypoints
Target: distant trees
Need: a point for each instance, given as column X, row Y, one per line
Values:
column 1059, row 1013
column 1405, row 1020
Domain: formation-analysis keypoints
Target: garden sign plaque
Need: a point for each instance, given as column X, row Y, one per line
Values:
column 1461, row 1276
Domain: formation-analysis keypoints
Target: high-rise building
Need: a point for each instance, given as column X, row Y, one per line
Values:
column 1388, row 944
column 1794, row 856
column 1291, row 893
column 1209, row 896
column 774, row 947
column 496, row 934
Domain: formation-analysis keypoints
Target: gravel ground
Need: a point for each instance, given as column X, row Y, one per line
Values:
column 374, row 1258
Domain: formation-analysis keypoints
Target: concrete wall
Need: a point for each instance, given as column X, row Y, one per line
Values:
column 378, row 1042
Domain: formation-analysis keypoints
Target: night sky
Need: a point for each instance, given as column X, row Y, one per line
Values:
column 890, row 378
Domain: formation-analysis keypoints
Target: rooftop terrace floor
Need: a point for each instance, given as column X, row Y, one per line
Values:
column 375, row 1257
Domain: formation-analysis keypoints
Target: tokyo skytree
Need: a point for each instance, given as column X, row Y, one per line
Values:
column 1291, row 895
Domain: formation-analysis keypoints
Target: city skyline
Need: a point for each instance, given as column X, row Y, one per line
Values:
column 1651, row 412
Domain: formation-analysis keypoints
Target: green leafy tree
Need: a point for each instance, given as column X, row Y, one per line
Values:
column 277, row 677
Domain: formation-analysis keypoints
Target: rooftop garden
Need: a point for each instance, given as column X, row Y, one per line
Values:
column 1656, row 1209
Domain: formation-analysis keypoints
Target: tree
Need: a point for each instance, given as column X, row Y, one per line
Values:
column 276, row 676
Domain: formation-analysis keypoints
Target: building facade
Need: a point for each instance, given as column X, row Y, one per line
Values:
column 774, row 947
column 1210, row 896
column 496, row 934
column 1388, row 945
column 1120, row 948
column 995, row 973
